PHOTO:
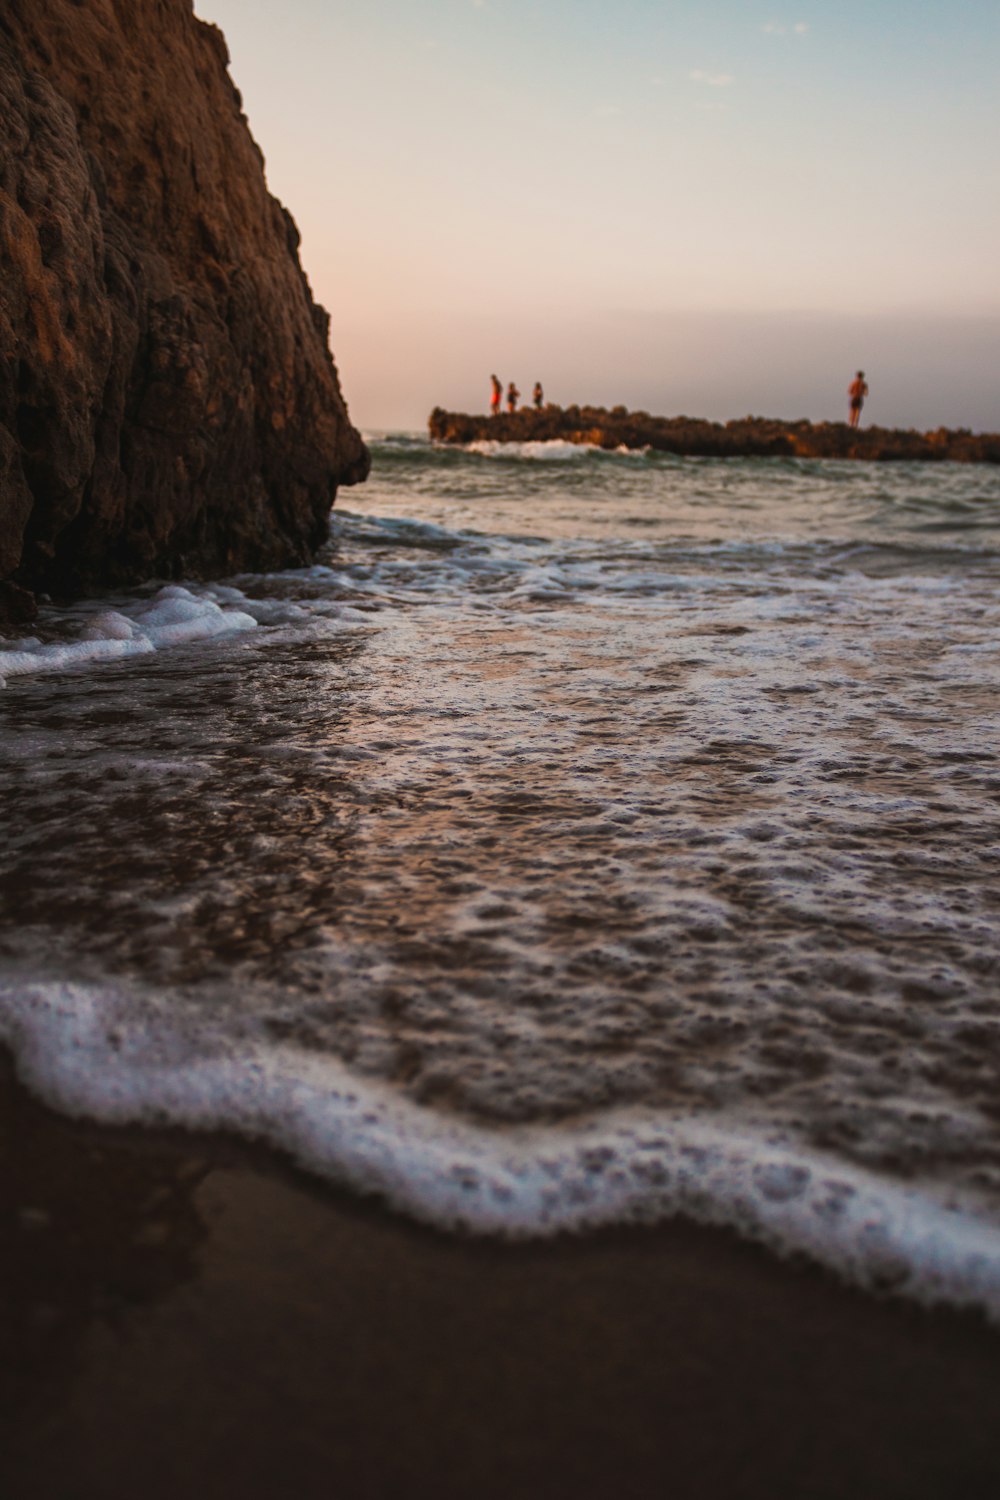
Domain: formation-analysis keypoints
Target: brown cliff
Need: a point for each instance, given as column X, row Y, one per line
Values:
column 748, row 437
column 168, row 402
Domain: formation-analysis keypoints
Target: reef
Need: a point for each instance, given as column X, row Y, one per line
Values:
column 168, row 401
column 747, row 437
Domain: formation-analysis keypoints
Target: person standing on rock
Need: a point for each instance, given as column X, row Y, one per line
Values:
column 857, row 391
column 537, row 395
column 495, row 397
column 513, row 395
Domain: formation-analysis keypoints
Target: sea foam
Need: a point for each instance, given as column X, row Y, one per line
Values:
column 174, row 616
column 120, row 1056
column 553, row 450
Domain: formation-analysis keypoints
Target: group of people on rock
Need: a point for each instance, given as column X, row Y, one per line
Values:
column 513, row 396
column 856, row 393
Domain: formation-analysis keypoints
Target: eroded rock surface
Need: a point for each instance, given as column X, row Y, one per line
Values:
column 747, row 437
column 168, row 402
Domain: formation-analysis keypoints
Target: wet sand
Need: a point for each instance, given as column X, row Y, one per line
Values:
column 184, row 1316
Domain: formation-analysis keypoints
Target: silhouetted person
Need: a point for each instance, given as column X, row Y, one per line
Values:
column 857, row 391
column 495, row 397
column 537, row 395
column 512, row 398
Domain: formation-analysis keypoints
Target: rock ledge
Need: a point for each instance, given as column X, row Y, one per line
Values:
column 168, row 401
column 748, row 437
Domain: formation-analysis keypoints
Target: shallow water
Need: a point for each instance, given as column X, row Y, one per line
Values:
column 584, row 836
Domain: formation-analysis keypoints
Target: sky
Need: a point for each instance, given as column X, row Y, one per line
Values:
column 711, row 207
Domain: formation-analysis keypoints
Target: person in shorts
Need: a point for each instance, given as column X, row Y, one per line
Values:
column 856, row 392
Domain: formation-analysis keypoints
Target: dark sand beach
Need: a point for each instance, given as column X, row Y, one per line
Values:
column 185, row 1316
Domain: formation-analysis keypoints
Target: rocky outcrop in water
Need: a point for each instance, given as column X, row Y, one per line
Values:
column 749, row 437
column 168, row 401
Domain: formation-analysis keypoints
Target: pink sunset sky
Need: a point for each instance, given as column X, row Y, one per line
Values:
column 717, row 208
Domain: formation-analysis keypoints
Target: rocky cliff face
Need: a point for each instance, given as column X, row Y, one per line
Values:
column 747, row 437
column 168, row 402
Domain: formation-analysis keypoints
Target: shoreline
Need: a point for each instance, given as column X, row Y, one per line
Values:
column 190, row 1314
column 747, row 437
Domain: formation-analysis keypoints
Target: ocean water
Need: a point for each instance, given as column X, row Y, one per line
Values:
column 584, row 838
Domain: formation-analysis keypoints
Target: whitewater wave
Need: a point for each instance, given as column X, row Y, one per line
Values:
column 554, row 450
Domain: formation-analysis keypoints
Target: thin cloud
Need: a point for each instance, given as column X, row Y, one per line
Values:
column 777, row 28
column 714, row 80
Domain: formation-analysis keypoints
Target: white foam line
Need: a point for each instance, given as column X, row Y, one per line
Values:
column 120, row 1057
